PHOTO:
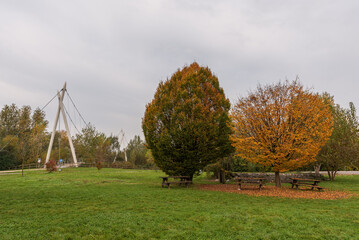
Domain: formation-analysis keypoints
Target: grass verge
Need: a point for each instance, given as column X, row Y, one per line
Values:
column 130, row 204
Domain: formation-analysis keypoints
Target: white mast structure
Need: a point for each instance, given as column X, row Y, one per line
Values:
column 122, row 141
column 60, row 96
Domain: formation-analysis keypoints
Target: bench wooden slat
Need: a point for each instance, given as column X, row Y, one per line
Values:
column 179, row 182
column 311, row 186
column 255, row 183
column 308, row 185
column 250, row 181
column 305, row 179
column 184, row 180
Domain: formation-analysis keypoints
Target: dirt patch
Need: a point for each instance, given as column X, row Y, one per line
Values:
column 272, row 191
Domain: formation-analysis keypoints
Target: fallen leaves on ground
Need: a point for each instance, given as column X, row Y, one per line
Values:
column 273, row 191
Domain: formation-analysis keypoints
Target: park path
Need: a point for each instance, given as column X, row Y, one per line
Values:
column 19, row 171
column 343, row 172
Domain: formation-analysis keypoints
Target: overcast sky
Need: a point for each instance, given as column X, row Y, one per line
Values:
column 113, row 54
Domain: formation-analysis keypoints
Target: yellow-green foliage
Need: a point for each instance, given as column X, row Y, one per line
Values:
column 187, row 125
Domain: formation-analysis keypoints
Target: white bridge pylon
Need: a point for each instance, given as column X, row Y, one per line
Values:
column 60, row 96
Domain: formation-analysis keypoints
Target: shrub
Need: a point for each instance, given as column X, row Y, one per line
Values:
column 51, row 166
column 99, row 165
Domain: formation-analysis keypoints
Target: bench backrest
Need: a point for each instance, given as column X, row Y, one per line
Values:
column 250, row 180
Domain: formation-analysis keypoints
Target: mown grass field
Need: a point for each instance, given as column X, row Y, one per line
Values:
column 130, row 204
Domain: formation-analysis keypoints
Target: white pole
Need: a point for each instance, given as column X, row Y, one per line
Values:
column 55, row 124
column 68, row 130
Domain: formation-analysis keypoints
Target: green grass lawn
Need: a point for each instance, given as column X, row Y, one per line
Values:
column 130, row 204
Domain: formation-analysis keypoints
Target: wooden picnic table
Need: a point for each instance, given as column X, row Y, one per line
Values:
column 312, row 183
column 252, row 181
column 185, row 180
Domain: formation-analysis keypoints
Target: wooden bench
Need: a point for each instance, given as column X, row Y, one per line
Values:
column 183, row 180
column 250, row 181
column 310, row 183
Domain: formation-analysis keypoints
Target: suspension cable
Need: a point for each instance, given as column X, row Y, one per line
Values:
column 76, row 108
column 67, row 113
column 48, row 102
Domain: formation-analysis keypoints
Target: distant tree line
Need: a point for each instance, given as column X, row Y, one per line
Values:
column 23, row 135
column 24, row 139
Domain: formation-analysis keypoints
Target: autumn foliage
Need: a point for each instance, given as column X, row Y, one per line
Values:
column 186, row 125
column 282, row 126
column 51, row 166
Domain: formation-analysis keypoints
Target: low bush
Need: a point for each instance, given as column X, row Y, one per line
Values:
column 99, row 165
column 51, row 166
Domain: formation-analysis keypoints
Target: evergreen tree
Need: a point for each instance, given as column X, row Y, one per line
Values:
column 186, row 125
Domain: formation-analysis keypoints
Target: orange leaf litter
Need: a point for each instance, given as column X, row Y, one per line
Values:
column 284, row 191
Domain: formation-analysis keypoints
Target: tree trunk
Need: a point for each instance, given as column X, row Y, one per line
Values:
column 332, row 174
column 277, row 179
column 222, row 177
column 317, row 169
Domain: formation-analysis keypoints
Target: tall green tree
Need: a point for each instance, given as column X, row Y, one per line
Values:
column 9, row 120
column 342, row 149
column 136, row 151
column 94, row 146
column 24, row 132
column 7, row 158
column 9, row 129
column 186, row 125
column 39, row 135
column 87, row 142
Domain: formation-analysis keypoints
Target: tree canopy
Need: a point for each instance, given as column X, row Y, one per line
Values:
column 281, row 125
column 342, row 149
column 186, row 125
column 22, row 135
column 94, row 146
column 136, row 151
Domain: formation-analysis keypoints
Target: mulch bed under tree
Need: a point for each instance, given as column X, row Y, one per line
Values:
column 272, row 191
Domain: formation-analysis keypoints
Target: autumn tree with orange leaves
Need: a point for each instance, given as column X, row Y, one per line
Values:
column 186, row 125
column 281, row 125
